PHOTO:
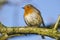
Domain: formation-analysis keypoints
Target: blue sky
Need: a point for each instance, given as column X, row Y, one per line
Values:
column 12, row 14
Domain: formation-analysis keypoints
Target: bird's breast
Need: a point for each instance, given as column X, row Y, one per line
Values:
column 28, row 11
column 33, row 19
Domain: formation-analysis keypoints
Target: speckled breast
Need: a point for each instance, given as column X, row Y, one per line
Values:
column 33, row 19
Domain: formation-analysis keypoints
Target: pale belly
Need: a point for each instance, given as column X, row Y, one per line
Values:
column 33, row 19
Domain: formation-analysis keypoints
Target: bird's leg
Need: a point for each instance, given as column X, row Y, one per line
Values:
column 43, row 26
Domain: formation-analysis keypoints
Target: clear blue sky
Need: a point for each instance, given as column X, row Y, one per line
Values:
column 12, row 14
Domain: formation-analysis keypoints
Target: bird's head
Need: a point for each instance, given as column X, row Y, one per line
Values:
column 28, row 8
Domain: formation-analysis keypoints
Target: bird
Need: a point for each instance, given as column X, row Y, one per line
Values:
column 32, row 16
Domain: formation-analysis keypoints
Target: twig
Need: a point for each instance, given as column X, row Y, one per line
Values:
column 56, row 25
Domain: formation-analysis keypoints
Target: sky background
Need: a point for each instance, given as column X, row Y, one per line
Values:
column 12, row 14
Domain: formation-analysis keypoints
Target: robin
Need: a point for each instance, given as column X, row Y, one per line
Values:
column 32, row 16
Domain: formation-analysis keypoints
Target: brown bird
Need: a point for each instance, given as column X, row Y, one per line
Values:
column 32, row 16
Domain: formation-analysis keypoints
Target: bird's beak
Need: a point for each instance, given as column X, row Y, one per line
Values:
column 23, row 7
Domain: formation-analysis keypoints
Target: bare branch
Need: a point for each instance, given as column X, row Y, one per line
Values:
column 56, row 25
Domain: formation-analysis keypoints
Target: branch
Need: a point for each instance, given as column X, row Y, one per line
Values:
column 40, row 31
column 11, row 31
column 4, row 36
column 2, row 2
column 56, row 25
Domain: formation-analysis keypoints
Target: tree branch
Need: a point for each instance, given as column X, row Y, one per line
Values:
column 40, row 31
column 56, row 25
column 11, row 31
